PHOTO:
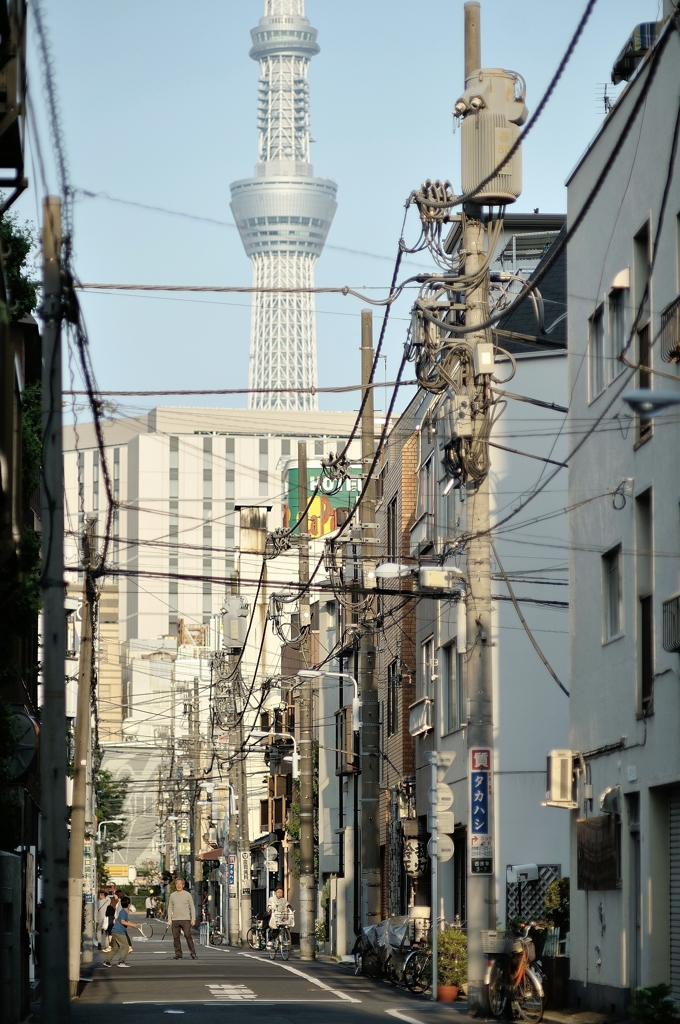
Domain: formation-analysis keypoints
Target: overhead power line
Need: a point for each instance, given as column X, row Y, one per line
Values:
column 257, row 391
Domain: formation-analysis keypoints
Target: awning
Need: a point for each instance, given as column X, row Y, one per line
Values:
column 211, row 854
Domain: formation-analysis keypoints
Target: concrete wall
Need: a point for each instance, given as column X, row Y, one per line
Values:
column 608, row 956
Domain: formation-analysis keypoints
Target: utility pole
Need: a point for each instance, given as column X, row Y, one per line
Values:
column 53, row 832
column 370, row 708
column 80, row 762
column 305, row 705
column 481, row 902
column 195, row 742
column 243, row 865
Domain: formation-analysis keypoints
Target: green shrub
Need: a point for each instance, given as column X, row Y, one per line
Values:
column 452, row 957
column 654, row 1006
column 557, row 899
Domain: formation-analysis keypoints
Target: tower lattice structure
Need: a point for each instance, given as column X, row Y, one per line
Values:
column 283, row 213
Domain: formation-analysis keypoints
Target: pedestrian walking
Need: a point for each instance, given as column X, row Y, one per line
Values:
column 182, row 918
column 119, row 897
column 102, row 903
column 119, row 935
column 149, row 903
column 110, row 913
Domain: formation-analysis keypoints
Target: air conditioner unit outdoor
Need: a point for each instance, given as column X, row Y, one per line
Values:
column 560, row 780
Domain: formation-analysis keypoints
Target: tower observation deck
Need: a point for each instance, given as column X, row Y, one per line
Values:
column 283, row 213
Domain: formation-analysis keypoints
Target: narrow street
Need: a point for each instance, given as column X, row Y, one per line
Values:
column 223, row 979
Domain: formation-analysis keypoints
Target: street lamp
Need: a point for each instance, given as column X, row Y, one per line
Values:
column 295, row 758
column 306, row 673
column 648, row 403
column 112, row 821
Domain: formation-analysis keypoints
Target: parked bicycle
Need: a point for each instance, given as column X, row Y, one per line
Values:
column 256, row 936
column 417, row 972
column 514, row 984
column 215, row 934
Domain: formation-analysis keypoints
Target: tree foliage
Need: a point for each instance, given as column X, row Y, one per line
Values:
column 110, row 795
column 18, row 244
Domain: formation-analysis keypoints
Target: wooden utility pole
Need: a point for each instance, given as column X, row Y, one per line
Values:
column 53, row 833
column 80, row 762
column 370, row 707
column 305, row 706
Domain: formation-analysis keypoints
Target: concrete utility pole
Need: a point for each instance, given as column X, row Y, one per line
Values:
column 195, row 741
column 370, row 708
column 80, row 762
column 305, row 706
column 243, row 866
column 481, row 902
column 53, row 832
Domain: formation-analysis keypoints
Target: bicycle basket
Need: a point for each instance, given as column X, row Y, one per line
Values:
column 287, row 919
column 496, row 942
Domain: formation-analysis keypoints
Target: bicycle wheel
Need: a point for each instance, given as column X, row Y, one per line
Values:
column 216, row 938
column 146, row 929
column 274, row 940
column 253, row 938
column 495, row 990
column 370, row 964
column 285, row 943
column 528, row 1000
column 418, row 971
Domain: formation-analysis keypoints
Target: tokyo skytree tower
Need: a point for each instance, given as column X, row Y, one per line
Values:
column 283, row 213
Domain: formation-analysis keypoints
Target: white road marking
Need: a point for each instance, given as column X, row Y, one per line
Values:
column 232, row 992
column 402, row 1016
column 315, row 981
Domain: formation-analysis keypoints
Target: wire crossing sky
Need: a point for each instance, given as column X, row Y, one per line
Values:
column 180, row 125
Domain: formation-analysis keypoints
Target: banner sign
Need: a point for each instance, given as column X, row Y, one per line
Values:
column 231, row 865
column 480, row 824
column 245, row 873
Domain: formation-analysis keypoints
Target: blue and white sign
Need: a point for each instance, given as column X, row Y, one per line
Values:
column 480, row 823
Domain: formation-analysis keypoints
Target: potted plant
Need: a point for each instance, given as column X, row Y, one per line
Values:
column 452, row 964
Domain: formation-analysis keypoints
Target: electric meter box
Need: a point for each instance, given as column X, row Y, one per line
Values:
column 461, row 416
column 493, row 109
column 483, row 356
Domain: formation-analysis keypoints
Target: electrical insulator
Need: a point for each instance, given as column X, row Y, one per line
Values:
column 492, row 109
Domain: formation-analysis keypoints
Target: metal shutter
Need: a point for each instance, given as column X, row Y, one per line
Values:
column 675, row 891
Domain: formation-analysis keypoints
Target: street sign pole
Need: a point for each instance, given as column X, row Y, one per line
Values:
column 441, row 799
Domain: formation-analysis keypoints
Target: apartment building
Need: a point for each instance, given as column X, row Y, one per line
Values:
column 624, row 331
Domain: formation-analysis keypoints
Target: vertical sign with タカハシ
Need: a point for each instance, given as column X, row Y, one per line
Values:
column 480, row 825
column 231, row 866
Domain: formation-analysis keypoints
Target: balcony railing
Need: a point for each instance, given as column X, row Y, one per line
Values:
column 421, row 716
column 670, row 332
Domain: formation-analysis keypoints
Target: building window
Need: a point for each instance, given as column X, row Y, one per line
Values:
column 174, row 467
column 393, row 545
column 453, row 688
column 285, row 446
column 644, row 424
column 207, row 467
column 318, row 447
column 644, row 573
column 393, row 678
column 611, row 578
column 95, row 481
column 617, row 330
column 596, row 353
column 427, row 662
column 264, row 466
column 426, row 487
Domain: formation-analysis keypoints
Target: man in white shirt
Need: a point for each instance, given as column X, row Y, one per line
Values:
column 182, row 918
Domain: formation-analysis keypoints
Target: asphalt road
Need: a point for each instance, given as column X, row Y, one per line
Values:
column 237, row 986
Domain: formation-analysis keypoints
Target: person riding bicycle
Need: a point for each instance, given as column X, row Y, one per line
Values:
column 278, row 911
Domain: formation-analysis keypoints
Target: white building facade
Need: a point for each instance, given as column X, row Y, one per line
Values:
column 624, row 493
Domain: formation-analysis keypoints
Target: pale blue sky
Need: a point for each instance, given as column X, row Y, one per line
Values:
column 158, row 100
